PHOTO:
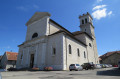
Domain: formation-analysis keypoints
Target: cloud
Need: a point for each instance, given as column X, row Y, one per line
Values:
column 99, row 7
column 110, row 13
column 100, row 11
column 35, row 6
column 22, row 8
column 99, row 1
column 8, row 47
column 28, row 7
column 98, row 14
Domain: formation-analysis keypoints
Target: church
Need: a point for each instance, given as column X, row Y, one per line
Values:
column 48, row 43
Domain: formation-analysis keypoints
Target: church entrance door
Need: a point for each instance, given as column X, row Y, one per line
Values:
column 32, row 61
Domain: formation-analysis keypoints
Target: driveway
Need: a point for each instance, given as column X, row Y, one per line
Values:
column 107, row 73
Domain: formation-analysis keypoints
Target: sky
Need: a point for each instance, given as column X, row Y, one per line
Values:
column 15, row 13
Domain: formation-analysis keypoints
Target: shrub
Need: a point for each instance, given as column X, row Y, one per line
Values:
column 35, row 68
column 48, row 68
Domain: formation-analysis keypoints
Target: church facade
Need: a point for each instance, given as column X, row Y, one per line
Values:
column 49, row 44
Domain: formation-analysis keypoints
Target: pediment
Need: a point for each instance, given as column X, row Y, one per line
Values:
column 37, row 16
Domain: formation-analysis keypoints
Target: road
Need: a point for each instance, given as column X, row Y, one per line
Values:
column 107, row 73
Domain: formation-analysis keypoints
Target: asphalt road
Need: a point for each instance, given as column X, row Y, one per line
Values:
column 107, row 73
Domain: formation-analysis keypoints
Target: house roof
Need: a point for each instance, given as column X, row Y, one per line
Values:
column 109, row 54
column 80, row 32
column 11, row 55
column 100, row 59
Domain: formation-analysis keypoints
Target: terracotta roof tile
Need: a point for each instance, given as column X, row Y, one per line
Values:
column 11, row 55
column 108, row 54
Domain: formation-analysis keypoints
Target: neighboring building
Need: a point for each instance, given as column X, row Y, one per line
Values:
column 49, row 44
column 0, row 60
column 110, row 58
column 9, row 60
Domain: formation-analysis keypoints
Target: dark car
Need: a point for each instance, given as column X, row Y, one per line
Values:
column 12, row 69
column 119, row 65
column 87, row 66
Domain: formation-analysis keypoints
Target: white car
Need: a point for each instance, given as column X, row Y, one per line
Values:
column 76, row 67
column 97, row 66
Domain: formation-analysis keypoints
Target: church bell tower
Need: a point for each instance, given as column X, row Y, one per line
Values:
column 86, row 24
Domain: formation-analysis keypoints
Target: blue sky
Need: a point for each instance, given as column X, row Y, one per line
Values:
column 15, row 13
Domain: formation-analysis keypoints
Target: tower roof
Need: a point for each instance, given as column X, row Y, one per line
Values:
column 85, row 15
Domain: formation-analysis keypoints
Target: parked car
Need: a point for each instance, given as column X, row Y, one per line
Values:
column 2, row 70
column 103, row 66
column 119, row 65
column 87, row 66
column 12, row 69
column 76, row 67
column 115, row 65
column 109, row 65
column 106, row 65
column 97, row 66
column 0, row 76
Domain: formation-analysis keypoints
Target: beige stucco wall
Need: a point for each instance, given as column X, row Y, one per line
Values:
column 53, row 27
column 36, row 47
column 91, row 53
column 40, row 27
column 81, row 37
column 56, row 61
column 96, row 52
column 73, row 58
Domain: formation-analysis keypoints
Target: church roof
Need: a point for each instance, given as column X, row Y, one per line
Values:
column 69, row 34
column 60, row 26
column 65, row 31
column 80, row 32
column 37, row 16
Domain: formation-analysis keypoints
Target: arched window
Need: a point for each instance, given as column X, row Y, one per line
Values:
column 54, row 51
column 90, row 45
column 84, row 54
column 21, row 57
column 34, row 35
column 82, row 21
column 78, row 52
column 85, row 20
column 70, row 51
